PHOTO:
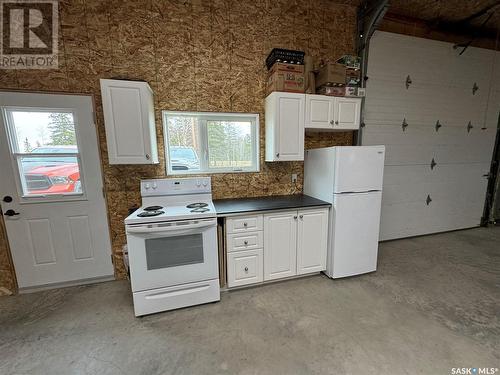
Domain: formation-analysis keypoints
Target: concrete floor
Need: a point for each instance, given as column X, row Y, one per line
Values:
column 434, row 304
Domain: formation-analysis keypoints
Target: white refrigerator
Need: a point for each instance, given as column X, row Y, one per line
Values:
column 349, row 177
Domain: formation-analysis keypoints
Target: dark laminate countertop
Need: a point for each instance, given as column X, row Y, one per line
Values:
column 225, row 207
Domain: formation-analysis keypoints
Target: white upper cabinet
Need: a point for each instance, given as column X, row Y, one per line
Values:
column 129, row 121
column 285, row 126
column 347, row 113
column 319, row 112
column 332, row 113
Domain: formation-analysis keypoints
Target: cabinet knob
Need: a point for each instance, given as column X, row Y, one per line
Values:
column 245, row 242
column 246, row 269
column 331, row 122
column 278, row 155
column 295, row 217
column 245, row 224
column 147, row 156
column 301, row 216
column 336, row 122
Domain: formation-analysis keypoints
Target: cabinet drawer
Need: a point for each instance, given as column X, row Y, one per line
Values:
column 245, row 267
column 240, row 224
column 244, row 241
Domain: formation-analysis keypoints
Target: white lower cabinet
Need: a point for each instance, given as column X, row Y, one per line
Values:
column 292, row 242
column 312, row 241
column 280, row 244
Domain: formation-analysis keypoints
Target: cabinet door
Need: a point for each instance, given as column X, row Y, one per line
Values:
column 319, row 112
column 312, row 240
column 347, row 113
column 129, row 122
column 290, row 127
column 280, row 245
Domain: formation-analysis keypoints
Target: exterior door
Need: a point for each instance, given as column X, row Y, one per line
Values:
column 51, row 190
column 280, row 245
column 312, row 241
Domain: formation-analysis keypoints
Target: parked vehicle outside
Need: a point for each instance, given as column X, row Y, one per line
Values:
column 183, row 158
column 51, row 174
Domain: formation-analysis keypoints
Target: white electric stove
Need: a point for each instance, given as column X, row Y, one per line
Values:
column 172, row 245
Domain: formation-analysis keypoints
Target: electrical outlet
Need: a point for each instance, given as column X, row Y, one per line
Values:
column 294, row 177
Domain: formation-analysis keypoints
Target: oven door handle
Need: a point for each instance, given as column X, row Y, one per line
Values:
column 172, row 228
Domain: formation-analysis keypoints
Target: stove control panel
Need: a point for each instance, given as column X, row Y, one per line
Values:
column 176, row 186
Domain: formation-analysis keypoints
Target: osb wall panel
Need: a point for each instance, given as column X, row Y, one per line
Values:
column 197, row 55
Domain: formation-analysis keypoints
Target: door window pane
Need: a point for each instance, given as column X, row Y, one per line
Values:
column 44, row 132
column 174, row 251
column 50, row 175
column 45, row 147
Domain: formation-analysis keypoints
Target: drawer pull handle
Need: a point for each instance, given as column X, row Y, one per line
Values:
column 245, row 242
column 245, row 224
column 246, row 269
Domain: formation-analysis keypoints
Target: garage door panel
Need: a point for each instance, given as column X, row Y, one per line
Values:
column 413, row 184
column 441, row 89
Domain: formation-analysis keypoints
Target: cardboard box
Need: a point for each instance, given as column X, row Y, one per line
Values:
column 286, row 77
column 352, row 77
column 350, row 61
column 331, row 91
column 331, row 74
column 340, row 91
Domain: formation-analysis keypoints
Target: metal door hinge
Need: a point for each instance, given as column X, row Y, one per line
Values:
column 469, row 127
column 404, row 125
column 428, row 200
column 438, row 125
column 408, row 82
column 475, row 87
column 433, row 164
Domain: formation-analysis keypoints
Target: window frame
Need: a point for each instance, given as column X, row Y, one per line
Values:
column 203, row 118
column 16, row 156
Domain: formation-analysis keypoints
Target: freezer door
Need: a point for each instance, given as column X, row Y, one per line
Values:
column 355, row 229
column 358, row 168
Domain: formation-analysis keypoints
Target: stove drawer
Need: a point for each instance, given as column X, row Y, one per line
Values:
column 245, row 267
column 245, row 241
column 248, row 223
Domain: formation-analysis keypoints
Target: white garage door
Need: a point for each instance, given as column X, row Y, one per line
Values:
column 434, row 175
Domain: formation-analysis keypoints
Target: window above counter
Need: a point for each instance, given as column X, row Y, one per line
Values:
column 208, row 142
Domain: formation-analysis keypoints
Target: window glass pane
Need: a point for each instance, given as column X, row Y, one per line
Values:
column 44, row 132
column 183, row 138
column 45, row 175
column 229, row 144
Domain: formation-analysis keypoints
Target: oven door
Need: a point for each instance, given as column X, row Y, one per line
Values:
column 172, row 253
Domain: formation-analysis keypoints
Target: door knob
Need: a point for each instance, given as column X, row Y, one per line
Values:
column 11, row 213
column 7, row 199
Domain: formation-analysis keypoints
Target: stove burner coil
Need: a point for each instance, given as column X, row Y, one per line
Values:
column 197, row 205
column 150, row 213
column 153, row 208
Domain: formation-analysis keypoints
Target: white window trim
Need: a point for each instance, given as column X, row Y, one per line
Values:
column 204, row 116
column 15, row 155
